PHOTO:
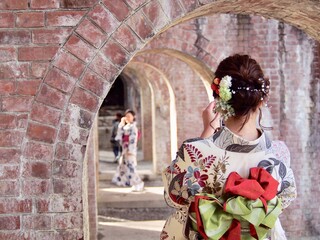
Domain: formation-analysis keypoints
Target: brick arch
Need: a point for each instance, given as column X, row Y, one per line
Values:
column 73, row 74
column 62, row 113
column 201, row 71
column 302, row 15
column 158, row 113
column 204, row 72
column 73, row 69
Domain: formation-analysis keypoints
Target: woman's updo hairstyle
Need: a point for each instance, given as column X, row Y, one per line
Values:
column 249, row 86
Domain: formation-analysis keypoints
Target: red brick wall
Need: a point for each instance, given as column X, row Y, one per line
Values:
column 56, row 65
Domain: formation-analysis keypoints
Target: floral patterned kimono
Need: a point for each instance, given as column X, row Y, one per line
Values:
column 126, row 174
column 213, row 185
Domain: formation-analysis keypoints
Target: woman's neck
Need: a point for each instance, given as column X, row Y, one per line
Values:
column 248, row 131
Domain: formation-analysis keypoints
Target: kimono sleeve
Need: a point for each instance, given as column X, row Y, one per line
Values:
column 175, row 193
column 133, row 140
column 178, row 193
column 282, row 171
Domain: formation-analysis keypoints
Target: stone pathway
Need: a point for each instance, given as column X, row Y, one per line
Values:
column 133, row 230
column 123, row 214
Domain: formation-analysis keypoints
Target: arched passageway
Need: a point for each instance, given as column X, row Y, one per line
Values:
column 46, row 126
column 159, row 92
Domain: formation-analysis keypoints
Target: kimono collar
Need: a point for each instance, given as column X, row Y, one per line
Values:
column 227, row 140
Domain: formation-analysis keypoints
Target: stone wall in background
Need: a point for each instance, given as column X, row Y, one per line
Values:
column 58, row 59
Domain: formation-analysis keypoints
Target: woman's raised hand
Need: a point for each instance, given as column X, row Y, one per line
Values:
column 123, row 120
column 211, row 120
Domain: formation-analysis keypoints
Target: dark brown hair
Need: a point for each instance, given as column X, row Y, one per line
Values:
column 118, row 115
column 132, row 112
column 246, row 74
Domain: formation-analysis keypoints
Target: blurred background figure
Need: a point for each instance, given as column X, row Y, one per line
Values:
column 116, row 146
column 127, row 134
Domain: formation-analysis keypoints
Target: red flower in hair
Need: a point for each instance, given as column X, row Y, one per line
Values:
column 215, row 85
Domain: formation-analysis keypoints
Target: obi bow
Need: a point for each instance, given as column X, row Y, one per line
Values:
column 251, row 203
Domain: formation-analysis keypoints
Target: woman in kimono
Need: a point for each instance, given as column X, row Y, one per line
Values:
column 126, row 174
column 231, row 183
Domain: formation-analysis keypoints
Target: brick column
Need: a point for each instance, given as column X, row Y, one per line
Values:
column 90, row 183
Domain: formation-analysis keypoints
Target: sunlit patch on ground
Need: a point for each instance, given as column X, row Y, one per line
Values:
column 123, row 214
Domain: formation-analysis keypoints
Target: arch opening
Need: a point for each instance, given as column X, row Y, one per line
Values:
column 68, row 75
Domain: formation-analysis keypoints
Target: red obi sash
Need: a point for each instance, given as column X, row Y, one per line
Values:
column 260, row 185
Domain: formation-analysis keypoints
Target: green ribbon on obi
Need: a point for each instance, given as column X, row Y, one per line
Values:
column 216, row 221
column 226, row 218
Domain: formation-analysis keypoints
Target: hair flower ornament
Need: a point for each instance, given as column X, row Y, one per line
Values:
column 222, row 89
column 215, row 85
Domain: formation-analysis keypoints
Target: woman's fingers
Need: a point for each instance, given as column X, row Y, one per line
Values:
column 211, row 106
column 210, row 117
column 208, row 112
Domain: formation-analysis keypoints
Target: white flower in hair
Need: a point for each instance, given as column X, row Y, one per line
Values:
column 226, row 82
column 222, row 88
